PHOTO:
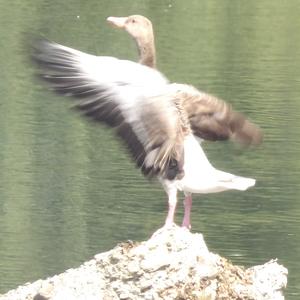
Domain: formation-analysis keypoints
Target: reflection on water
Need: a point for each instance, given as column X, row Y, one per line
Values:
column 67, row 187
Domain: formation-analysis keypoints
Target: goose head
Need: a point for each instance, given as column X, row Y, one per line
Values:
column 141, row 30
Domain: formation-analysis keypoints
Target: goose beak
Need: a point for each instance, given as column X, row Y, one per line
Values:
column 118, row 22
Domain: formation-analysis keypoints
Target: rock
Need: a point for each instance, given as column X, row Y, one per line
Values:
column 172, row 264
column 133, row 267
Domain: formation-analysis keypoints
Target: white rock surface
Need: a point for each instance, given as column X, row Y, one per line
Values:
column 172, row 264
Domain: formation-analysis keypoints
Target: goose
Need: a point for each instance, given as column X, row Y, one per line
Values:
column 159, row 122
column 141, row 30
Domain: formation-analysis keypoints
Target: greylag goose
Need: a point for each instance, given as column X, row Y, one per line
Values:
column 141, row 29
column 158, row 120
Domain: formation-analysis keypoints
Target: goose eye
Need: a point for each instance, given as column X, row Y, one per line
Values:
column 133, row 21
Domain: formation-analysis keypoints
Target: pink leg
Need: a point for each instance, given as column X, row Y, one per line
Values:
column 172, row 194
column 187, row 211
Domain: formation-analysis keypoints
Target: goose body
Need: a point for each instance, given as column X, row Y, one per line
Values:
column 157, row 120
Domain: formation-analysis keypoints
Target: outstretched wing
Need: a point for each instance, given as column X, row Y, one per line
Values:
column 213, row 119
column 123, row 94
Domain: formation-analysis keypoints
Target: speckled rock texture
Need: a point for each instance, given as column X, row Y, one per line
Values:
column 173, row 264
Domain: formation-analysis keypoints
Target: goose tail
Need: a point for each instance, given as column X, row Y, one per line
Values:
column 236, row 182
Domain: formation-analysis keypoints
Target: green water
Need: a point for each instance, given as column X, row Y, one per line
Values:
column 68, row 189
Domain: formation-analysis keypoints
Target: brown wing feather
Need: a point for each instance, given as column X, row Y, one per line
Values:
column 166, row 131
column 213, row 119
